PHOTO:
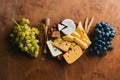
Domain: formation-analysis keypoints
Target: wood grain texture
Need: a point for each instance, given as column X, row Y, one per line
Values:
column 14, row 65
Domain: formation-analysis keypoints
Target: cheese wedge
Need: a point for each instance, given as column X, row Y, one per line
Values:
column 88, row 42
column 68, row 37
column 84, row 38
column 72, row 55
column 76, row 34
column 81, row 31
column 81, row 43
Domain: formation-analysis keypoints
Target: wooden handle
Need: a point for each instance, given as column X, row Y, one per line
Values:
column 47, row 23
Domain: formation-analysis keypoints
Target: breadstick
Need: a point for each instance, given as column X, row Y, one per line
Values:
column 47, row 23
column 86, row 24
column 89, row 25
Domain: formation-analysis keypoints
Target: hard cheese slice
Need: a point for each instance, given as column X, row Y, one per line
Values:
column 54, row 51
column 72, row 55
column 62, row 44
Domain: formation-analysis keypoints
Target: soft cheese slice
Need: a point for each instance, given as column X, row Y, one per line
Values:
column 70, row 26
column 69, row 22
column 67, row 30
column 72, row 55
column 54, row 51
column 60, row 27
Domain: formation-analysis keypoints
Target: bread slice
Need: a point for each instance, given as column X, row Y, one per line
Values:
column 61, row 44
column 72, row 55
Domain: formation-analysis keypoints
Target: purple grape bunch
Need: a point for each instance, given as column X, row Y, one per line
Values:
column 104, row 34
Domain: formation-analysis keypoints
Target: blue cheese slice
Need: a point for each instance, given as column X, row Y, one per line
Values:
column 54, row 51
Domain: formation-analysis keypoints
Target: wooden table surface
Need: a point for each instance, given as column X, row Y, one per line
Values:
column 14, row 65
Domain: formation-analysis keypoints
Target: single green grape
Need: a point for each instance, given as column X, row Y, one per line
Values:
column 25, row 48
column 21, row 38
column 37, row 41
column 27, row 33
column 28, row 41
column 23, row 34
column 27, row 37
column 32, row 49
column 35, row 30
column 21, row 45
column 16, row 39
column 72, row 45
column 29, row 45
column 36, row 53
column 26, row 27
column 12, row 35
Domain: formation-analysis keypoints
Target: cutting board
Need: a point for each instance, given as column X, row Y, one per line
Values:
column 15, row 65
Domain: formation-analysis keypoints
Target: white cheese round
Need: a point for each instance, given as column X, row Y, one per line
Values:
column 70, row 26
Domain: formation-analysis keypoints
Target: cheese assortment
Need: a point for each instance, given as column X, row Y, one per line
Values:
column 79, row 36
column 71, row 44
column 67, row 40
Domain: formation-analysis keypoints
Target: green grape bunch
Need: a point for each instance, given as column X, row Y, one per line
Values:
column 25, row 37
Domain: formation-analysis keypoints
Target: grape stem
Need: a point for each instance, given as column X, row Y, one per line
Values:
column 15, row 21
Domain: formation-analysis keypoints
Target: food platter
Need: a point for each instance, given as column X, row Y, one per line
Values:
column 15, row 65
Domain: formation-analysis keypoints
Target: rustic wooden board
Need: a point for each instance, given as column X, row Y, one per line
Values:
column 14, row 65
